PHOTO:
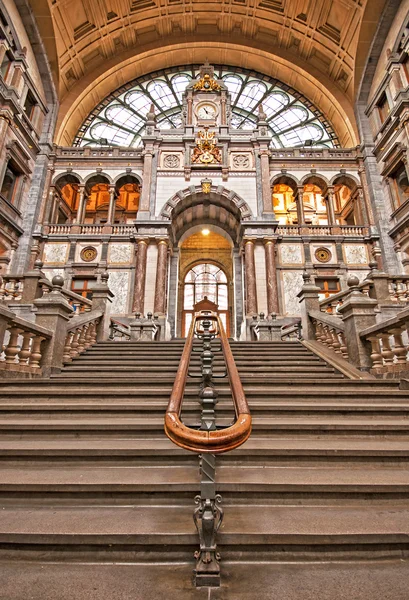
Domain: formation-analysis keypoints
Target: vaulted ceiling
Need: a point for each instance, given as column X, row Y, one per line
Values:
column 316, row 46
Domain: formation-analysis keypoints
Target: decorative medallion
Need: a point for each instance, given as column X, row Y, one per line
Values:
column 88, row 254
column 323, row 255
column 207, row 84
column 171, row 161
column 241, row 161
column 206, row 151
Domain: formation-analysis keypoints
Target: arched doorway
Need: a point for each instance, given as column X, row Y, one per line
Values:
column 205, row 281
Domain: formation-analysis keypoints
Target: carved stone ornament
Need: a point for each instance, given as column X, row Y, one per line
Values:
column 323, row 255
column 241, row 161
column 171, row 161
column 88, row 254
column 206, row 185
column 206, row 152
column 207, row 84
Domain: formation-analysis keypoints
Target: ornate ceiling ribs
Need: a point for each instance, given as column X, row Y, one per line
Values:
column 321, row 32
column 110, row 39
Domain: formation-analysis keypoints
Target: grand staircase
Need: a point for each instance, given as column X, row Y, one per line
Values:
column 97, row 503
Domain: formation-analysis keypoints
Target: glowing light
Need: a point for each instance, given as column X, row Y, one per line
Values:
column 205, row 231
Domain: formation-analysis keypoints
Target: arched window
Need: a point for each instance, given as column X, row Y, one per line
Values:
column 120, row 119
column 205, row 281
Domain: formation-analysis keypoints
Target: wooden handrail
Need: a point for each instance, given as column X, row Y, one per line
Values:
column 219, row 441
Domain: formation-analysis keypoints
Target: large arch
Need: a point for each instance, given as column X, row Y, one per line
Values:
column 220, row 207
column 307, row 79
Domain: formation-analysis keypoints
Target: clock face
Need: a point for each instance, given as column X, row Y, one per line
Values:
column 206, row 112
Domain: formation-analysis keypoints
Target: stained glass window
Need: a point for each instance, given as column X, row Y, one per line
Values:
column 292, row 120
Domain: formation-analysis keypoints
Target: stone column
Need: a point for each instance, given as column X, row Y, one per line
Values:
column 329, row 200
column 111, row 208
column 53, row 203
column 250, row 273
column 81, row 205
column 140, row 277
column 271, row 276
column 144, row 206
column 17, row 79
column 161, row 273
column 3, row 50
column 265, row 182
column 299, row 198
column 364, row 197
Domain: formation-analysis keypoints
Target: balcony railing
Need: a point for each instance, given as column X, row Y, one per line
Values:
column 284, row 230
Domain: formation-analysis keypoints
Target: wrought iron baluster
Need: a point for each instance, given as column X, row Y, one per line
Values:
column 208, row 515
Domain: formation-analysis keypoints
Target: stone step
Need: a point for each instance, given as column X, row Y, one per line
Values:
column 140, row 425
column 120, row 366
column 297, row 580
column 160, row 362
column 348, row 451
column 317, row 389
column 274, row 407
column 159, row 532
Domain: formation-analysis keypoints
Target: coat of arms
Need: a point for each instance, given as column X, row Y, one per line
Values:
column 206, row 151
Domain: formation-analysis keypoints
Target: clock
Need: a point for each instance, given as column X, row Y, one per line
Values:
column 206, row 112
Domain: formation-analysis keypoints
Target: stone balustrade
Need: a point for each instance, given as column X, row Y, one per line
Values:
column 330, row 331
column 399, row 288
column 119, row 331
column 11, row 288
column 269, row 328
column 145, row 329
column 21, row 343
column 80, row 336
column 389, row 342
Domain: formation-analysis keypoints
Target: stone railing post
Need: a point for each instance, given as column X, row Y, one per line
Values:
column 102, row 300
column 357, row 313
column 309, row 301
column 53, row 312
column 31, row 289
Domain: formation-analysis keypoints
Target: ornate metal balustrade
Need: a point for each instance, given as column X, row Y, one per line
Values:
column 207, row 440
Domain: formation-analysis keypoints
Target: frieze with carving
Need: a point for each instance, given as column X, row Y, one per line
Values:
column 206, row 152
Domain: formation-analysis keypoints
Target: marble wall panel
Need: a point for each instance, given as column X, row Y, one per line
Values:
column 355, row 254
column 292, row 283
column 291, row 254
column 150, row 282
column 120, row 254
column 260, row 263
column 56, row 253
column 119, row 284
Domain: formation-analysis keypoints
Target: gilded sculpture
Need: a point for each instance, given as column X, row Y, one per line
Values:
column 206, row 151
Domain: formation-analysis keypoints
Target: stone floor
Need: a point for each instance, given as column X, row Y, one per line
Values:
column 270, row 581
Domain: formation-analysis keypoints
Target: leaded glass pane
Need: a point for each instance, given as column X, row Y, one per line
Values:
column 122, row 122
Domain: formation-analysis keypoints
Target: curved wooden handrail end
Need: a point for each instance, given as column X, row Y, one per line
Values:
column 214, row 442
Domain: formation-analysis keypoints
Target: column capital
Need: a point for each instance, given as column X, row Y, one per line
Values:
column 268, row 241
